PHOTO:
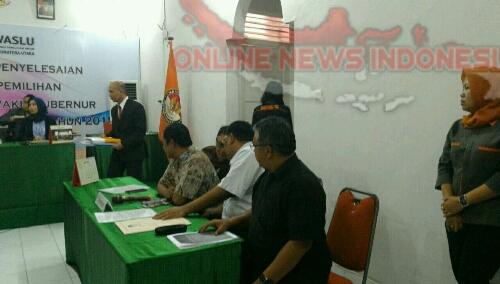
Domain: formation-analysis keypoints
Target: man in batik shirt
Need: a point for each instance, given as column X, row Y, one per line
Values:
column 190, row 173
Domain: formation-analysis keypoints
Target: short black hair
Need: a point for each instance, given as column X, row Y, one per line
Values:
column 273, row 94
column 277, row 133
column 222, row 130
column 241, row 130
column 30, row 96
column 179, row 133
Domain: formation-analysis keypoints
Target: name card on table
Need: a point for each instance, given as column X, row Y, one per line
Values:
column 85, row 171
column 101, row 201
column 60, row 134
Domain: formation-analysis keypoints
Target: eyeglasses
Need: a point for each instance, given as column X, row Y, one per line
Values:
column 252, row 146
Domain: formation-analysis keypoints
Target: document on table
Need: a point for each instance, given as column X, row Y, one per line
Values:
column 108, row 217
column 108, row 141
column 122, row 189
column 195, row 239
column 147, row 224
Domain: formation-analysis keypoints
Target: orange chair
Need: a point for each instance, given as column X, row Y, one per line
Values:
column 351, row 232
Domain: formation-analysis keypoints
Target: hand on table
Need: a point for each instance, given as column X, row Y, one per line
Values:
column 207, row 213
column 171, row 213
column 221, row 225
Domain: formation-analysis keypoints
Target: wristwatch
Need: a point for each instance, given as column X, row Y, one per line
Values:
column 463, row 201
column 265, row 280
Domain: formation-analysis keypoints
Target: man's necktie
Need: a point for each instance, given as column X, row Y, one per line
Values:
column 119, row 112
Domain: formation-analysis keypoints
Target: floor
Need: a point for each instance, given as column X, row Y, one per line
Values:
column 35, row 255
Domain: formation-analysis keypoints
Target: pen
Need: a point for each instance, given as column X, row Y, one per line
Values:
column 135, row 190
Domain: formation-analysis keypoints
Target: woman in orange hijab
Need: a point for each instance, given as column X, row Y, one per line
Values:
column 469, row 179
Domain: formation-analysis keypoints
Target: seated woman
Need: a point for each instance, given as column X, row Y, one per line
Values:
column 272, row 104
column 36, row 127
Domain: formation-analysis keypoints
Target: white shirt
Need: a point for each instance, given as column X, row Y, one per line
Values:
column 122, row 104
column 239, row 181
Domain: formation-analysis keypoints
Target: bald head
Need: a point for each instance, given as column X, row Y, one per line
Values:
column 117, row 91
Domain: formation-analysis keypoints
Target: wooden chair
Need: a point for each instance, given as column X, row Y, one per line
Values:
column 351, row 232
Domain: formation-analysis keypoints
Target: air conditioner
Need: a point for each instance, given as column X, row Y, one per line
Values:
column 132, row 89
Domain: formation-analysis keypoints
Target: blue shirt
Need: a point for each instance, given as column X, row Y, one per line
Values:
column 39, row 129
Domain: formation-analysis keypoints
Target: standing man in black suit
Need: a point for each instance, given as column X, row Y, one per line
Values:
column 129, row 125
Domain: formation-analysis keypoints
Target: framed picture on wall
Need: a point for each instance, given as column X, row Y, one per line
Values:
column 45, row 9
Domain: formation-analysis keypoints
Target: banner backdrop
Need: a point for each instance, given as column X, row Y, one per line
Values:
column 70, row 70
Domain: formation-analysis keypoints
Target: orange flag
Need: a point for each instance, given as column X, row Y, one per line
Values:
column 171, row 104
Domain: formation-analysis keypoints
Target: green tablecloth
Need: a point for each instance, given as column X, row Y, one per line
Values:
column 102, row 254
column 30, row 183
column 152, row 167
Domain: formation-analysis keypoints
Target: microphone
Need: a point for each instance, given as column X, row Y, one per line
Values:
column 121, row 199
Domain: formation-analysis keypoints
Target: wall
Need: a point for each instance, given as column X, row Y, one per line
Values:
column 392, row 153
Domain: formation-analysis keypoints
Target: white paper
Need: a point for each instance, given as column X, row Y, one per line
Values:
column 122, row 189
column 148, row 224
column 195, row 239
column 91, row 141
column 87, row 170
column 101, row 201
column 107, row 217
column 39, row 142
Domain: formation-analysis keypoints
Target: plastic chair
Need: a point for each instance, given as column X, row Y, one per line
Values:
column 107, row 126
column 351, row 232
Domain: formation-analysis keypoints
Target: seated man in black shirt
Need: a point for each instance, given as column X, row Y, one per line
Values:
column 286, row 223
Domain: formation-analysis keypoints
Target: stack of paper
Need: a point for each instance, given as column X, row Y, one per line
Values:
column 107, row 217
column 100, row 141
column 195, row 239
column 124, row 188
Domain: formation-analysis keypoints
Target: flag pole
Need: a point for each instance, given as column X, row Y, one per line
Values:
column 171, row 103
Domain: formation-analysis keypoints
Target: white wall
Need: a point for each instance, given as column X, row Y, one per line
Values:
column 393, row 154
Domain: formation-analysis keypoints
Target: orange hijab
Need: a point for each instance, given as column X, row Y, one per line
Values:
column 484, row 84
